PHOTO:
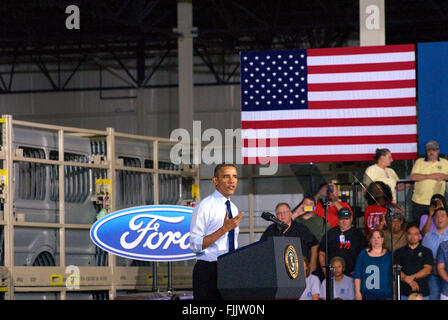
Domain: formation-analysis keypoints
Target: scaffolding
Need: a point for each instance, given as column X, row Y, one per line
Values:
column 62, row 278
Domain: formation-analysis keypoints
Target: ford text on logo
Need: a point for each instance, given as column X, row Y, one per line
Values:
column 151, row 233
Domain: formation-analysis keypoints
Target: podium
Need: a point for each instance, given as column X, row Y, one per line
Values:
column 271, row 269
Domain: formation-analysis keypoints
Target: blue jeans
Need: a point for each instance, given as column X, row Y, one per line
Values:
column 434, row 287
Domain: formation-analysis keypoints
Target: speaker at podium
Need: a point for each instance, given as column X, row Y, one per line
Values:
column 271, row 269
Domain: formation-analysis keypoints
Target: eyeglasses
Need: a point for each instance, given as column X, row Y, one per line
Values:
column 284, row 212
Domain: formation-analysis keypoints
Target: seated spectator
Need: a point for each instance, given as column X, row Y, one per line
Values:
column 312, row 289
column 343, row 287
column 308, row 241
column 432, row 241
column 426, row 221
column 373, row 276
column 416, row 263
column 344, row 240
column 378, row 195
column 305, row 215
column 334, row 203
column 398, row 229
column 442, row 268
column 415, row 296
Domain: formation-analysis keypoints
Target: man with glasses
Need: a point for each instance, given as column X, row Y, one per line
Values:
column 429, row 174
column 416, row 262
column 307, row 239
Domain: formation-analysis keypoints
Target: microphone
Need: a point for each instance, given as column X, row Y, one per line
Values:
column 270, row 217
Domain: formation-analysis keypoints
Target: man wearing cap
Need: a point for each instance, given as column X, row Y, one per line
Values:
column 344, row 240
column 429, row 174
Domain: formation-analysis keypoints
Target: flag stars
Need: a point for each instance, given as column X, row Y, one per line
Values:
column 273, row 80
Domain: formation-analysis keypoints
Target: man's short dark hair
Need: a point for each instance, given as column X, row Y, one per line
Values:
column 441, row 209
column 220, row 166
column 412, row 225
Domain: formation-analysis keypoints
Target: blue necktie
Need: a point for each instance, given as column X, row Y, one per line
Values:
column 231, row 235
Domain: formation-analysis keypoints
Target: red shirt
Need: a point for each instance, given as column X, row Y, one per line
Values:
column 332, row 212
column 372, row 217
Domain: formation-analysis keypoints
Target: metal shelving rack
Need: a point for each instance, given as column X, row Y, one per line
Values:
column 109, row 278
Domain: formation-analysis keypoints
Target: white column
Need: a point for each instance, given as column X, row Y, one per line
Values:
column 185, row 58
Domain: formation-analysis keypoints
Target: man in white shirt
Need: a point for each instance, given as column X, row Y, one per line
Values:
column 214, row 231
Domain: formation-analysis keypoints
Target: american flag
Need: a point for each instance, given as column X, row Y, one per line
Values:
column 325, row 105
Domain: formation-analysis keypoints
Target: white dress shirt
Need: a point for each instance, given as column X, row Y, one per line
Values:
column 208, row 216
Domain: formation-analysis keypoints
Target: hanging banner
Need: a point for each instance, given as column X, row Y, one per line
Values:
column 150, row 233
column 432, row 72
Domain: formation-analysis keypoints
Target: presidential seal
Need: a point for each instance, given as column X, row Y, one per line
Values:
column 291, row 262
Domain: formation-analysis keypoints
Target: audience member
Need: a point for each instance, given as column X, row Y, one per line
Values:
column 432, row 241
column 429, row 174
column 343, row 287
column 426, row 220
column 312, row 289
column 308, row 241
column 396, row 230
column 415, row 296
column 305, row 215
column 344, row 240
column 334, row 203
column 378, row 195
column 373, row 270
column 416, row 263
column 442, row 268
column 380, row 171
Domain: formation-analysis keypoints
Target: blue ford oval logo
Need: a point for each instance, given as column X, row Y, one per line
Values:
column 151, row 233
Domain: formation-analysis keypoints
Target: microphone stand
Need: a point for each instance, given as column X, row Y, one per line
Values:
column 396, row 274
column 329, row 269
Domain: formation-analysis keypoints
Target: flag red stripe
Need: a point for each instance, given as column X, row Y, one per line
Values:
column 393, row 84
column 360, row 50
column 325, row 158
column 321, row 123
column 315, row 141
column 369, row 103
column 362, row 67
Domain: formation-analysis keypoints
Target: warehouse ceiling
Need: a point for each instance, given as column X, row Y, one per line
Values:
column 131, row 35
